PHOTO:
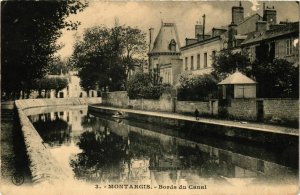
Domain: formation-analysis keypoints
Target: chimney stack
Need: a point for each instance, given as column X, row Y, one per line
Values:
column 198, row 30
column 237, row 14
column 261, row 26
column 151, row 30
column 270, row 15
column 203, row 33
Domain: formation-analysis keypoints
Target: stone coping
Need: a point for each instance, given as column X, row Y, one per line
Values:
column 43, row 166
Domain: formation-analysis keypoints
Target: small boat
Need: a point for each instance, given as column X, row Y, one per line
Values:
column 118, row 115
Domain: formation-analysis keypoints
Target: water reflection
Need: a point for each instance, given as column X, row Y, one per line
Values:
column 112, row 151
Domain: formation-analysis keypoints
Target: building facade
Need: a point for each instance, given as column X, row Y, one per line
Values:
column 198, row 53
column 73, row 89
column 164, row 53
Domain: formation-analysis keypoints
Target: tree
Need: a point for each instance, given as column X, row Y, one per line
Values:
column 226, row 62
column 278, row 78
column 47, row 84
column 60, row 83
column 200, row 87
column 56, row 66
column 105, row 56
column 28, row 38
column 140, row 85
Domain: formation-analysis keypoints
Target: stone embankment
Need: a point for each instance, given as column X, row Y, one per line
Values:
column 44, row 168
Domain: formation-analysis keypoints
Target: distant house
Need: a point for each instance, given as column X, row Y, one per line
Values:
column 73, row 89
column 164, row 53
column 237, row 85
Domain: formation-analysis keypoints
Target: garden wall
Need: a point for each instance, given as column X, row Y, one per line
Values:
column 281, row 110
column 242, row 109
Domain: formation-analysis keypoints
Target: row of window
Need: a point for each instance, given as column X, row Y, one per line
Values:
column 286, row 47
column 198, row 61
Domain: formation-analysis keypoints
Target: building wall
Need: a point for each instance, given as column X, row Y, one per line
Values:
column 245, row 91
column 248, row 25
column 168, row 66
column 281, row 47
column 200, row 49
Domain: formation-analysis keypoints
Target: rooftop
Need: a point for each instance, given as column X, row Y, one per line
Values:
column 237, row 78
column 166, row 33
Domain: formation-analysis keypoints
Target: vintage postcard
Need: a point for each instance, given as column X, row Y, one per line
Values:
column 149, row 97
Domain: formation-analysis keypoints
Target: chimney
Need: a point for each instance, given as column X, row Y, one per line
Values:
column 237, row 14
column 203, row 32
column 261, row 26
column 198, row 30
column 217, row 32
column 231, row 33
column 270, row 15
column 151, row 30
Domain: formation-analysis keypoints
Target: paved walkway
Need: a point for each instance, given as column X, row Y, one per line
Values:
column 238, row 124
column 12, row 162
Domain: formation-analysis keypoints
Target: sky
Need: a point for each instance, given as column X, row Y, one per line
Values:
column 147, row 14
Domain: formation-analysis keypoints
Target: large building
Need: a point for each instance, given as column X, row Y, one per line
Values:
column 198, row 53
column 259, row 37
column 164, row 53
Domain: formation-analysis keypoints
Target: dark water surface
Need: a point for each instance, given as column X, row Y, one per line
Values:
column 98, row 149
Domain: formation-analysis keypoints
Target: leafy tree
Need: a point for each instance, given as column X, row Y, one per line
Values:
column 140, row 85
column 61, row 83
column 105, row 56
column 28, row 38
column 56, row 66
column 52, row 83
column 200, row 87
column 278, row 78
column 226, row 62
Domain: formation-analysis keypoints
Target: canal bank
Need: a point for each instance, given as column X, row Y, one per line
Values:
column 43, row 167
column 261, row 133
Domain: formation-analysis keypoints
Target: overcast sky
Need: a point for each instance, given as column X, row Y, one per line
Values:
column 146, row 14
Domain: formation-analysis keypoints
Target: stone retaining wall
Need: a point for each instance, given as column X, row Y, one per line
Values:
column 281, row 110
column 243, row 109
column 43, row 166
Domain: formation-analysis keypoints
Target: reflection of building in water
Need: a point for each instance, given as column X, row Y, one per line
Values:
column 178, row 160
column 136, row 170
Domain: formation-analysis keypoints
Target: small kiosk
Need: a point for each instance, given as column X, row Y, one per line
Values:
column 237, row 85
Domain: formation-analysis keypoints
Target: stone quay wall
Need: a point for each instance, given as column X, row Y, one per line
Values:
column 43, row 166
column 277, row 111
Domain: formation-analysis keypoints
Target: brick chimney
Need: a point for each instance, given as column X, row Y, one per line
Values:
column 237, row 14
column 151, row 41
column 198, row 30
column 231, row 33
column 261, row 26
column 270, row 15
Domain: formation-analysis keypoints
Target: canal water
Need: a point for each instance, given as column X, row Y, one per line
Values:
column 97, row 149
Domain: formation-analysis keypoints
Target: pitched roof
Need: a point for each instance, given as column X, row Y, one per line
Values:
column 166, row 33
column 273, row 33
column 237, row 78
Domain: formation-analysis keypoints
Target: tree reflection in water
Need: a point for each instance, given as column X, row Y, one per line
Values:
column 100, row 160
column 54, row 132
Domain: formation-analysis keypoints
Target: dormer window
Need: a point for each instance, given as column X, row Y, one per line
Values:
column 172, row 45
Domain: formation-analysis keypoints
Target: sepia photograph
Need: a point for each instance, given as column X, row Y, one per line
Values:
column 149, row 97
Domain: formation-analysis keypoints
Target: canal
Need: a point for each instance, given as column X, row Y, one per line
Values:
column 97, row 149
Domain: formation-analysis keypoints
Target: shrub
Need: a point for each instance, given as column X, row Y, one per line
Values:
column 140, row 85
column 200, row 87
